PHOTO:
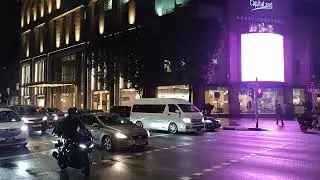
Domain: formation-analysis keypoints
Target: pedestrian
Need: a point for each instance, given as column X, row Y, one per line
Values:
column 279, row 114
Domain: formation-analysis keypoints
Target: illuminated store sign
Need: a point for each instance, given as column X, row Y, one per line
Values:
column 259, row 5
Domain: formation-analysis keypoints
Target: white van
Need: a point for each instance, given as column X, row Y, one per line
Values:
column 173, row 115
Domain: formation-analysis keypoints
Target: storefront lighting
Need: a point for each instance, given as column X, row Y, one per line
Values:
column 132, row 12
column 58, row 3
column 101, row 23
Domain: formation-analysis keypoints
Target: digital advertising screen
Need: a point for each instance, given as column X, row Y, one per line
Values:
column 262, row 57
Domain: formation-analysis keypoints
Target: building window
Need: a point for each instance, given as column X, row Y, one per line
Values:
column 298, row 97
column 132, row 12
column 168, row 6
column 101, row 23
column 124, row 1
column 77, row 25
column 28, row 15
column 58, row 32
column 34, row 13
column 107, row 5
column 68, row 68
column 41, row 8
column 22, row 21
column 25, row 74
column 39, row 71
column 179, row 91
column 68, row 28
column 218, row 98
column 41, row 39
column 49, row 3
column 58, row 4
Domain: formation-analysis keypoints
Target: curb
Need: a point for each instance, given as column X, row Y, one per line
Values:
column 243, row 129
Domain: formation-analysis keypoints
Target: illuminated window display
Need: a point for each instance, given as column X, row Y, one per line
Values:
column 128, row 96
column 219, row 99
column 262, row 57
column 180, row 92
column 266, row 104
column 298, row 97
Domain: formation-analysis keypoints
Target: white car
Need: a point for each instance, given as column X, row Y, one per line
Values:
column 13, row 131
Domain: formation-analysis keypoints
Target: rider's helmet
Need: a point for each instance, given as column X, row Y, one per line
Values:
column 72, row 111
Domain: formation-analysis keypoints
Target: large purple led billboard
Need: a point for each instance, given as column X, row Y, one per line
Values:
column 262, row 57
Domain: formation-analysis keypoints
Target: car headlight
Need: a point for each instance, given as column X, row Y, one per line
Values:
column 82, row 146
column 218, row 120
column 24, row 119
column 24, row 128
column 186, row 120
column 148, row 133
column 203, row 120
column 44, row 118
column 55, row 117
column 207, row 121
column 120, row 135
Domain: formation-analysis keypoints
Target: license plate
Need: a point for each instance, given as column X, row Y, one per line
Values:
column 140, row 142
column 37, row 125
column 10, row 139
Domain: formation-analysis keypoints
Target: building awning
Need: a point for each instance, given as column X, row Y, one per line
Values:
column 51, row 85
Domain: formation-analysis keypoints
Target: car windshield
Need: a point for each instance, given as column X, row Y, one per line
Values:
column 188, row 108
column 9, row 116
column 114, row 120
column 28, row 110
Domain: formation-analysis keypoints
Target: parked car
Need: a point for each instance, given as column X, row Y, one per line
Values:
column 85, row 111
column 211, row 123
column 33, row 117
column 13, row 131
column 173, row 115
column 112, row 132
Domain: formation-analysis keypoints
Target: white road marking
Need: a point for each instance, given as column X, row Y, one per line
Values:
column 233, row 161
column 185, row 178
column 106, row 160
column 172, row 147
column 148, row 152
column 138, row 154
column 180, row 145
column 197, row 174
column 159, row 135
column 157, row 150
column 216, row 167
column 207, row 170
column 253, row 154
column 165, row 148
column 226, row 164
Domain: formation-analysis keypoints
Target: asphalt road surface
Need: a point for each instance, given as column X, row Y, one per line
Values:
column 277, row 154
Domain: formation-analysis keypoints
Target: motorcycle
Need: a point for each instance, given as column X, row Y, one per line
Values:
column 75, row 154
column 307, row 122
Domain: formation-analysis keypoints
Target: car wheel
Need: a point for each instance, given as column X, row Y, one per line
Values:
column 107, row 144
column 173, row 128
column 139, row 123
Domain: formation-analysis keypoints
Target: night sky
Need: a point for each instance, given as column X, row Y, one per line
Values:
column 9, row 46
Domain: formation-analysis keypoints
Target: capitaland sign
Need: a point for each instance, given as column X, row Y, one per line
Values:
column 260, row 5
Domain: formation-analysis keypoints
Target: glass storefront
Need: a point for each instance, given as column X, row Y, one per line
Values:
column 266, row 105
column 218, row 98
column 101, row 100
column 128, row 96
column 41, row 101
column 179, row 91
column 67, row 100
column 298, row 100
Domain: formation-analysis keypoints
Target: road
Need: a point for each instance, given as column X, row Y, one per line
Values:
column 278, row 154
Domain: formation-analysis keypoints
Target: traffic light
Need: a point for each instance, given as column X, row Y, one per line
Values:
column 259, row 93
column 251, row 93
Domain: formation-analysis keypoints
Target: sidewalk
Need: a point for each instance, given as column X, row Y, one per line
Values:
column 264, row 125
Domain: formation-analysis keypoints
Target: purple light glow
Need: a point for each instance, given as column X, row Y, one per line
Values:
column 262, row 56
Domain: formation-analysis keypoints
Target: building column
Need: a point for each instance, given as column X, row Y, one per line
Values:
column 234, row 104
column 288, row 102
